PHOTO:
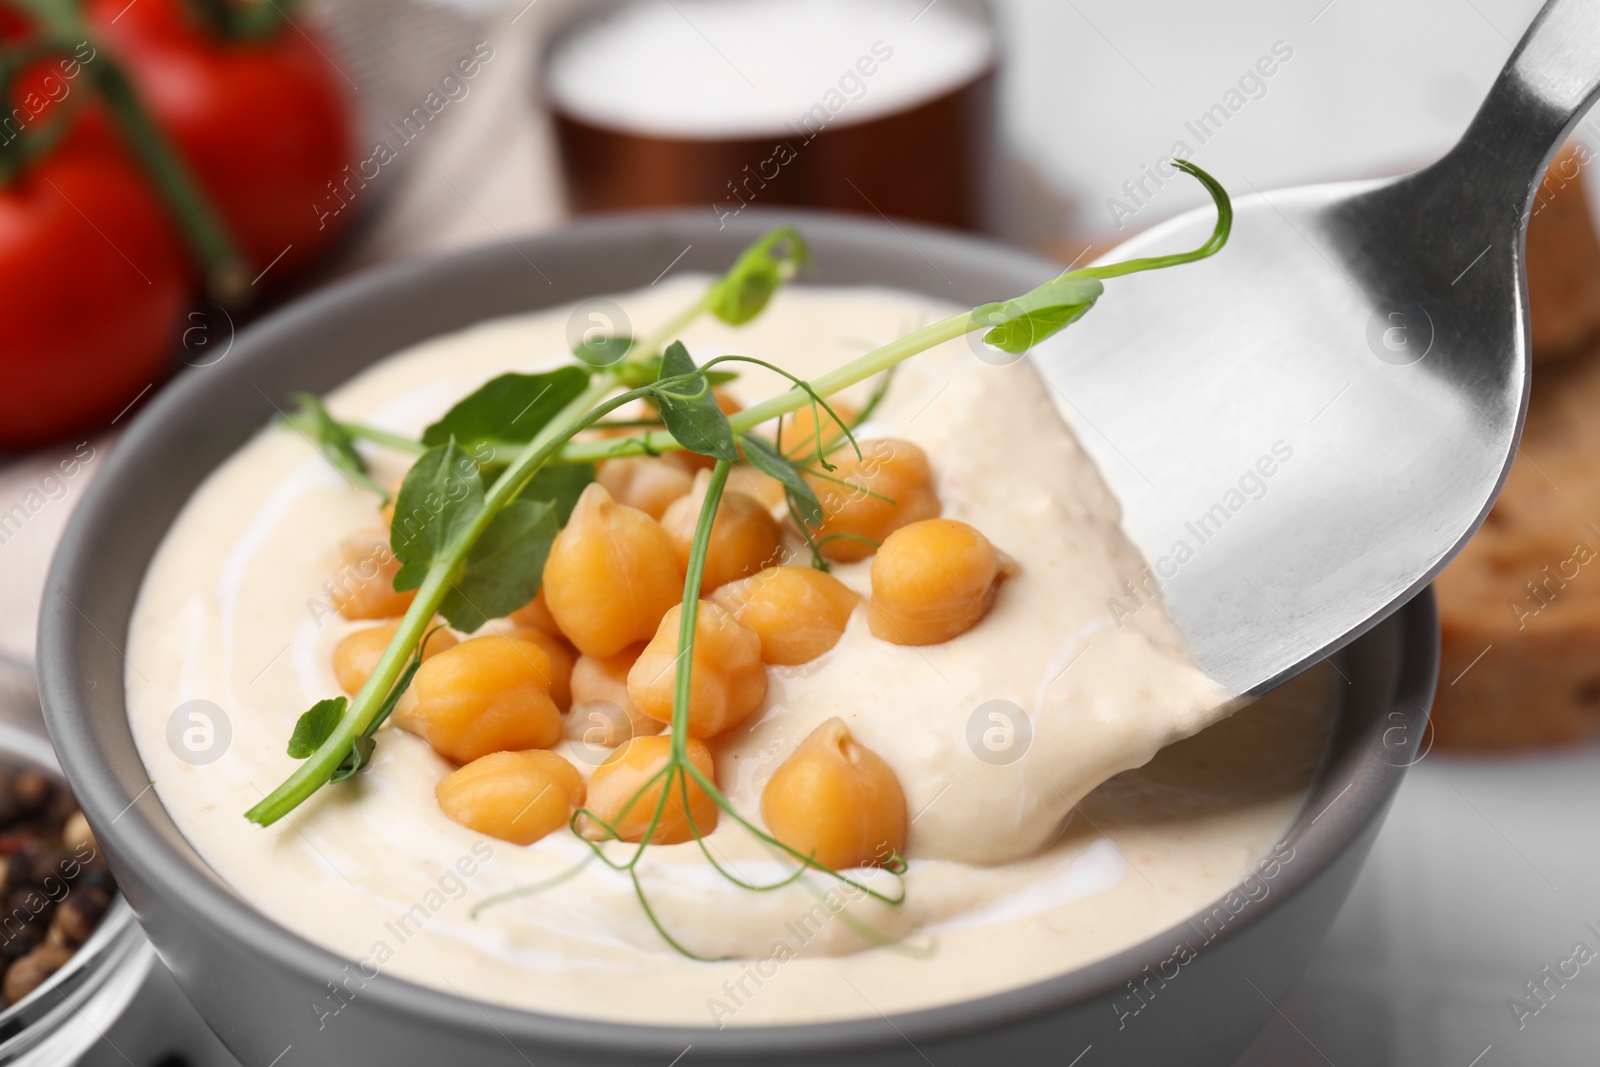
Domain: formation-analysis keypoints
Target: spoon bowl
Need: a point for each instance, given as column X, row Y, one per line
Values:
column 1305, row 428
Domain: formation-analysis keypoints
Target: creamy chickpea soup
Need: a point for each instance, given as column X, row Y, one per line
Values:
column 993, row 778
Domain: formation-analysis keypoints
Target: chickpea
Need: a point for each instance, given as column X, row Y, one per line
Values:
column 933, row 580
column 649, row 483
column 800, row 429
column 744, row 535
column 889, row 486
column 798, row 612
column 489, row 694
column 562, row 660
column 728, row 681
column 599, row 685
column 515, row 796
column 358, row 652
column 618, row 781
column 835, row 801
column 363, row 587
column 535, row 615
column 612, row 573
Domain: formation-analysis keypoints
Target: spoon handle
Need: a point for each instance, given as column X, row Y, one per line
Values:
column 1550, row 81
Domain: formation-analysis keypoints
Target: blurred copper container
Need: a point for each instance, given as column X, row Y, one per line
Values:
column 927, row 157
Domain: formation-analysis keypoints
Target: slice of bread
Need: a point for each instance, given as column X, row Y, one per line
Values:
column 1520, row 606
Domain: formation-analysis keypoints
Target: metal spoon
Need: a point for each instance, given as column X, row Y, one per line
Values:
column 1305, row 428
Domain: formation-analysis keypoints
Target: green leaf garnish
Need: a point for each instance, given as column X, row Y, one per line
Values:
column 361, row 749
column 333, row 441
column 441, row 495
column 559, row 486
column 1020, row 324
column 504, row 567
column 512, row 407
column 742, row 293
column 316, row 726
column 764, row 457
column 689, row 408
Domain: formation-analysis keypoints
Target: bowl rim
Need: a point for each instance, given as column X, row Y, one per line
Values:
column 160, row 866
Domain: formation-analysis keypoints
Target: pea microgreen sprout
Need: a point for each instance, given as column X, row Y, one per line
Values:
column 334, row 441
column 479, row 509
column 474, row 553
column 471, row 555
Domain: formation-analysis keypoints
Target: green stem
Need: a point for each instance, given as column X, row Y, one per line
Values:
column 20, row 146
column 401, row 443
column 698, row 548
column 397, row 441
column 1219, row 235
column 668, row 331
column 256, row 20
column 857, row 370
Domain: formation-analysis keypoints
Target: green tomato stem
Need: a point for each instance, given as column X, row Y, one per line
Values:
column 253, row 21
column 209, row 240
column 203, row 229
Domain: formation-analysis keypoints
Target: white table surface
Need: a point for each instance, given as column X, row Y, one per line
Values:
column 1486, row 871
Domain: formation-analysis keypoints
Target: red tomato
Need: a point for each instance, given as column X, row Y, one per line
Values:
column 264, row 124
column 13, row 24
column 93, row 281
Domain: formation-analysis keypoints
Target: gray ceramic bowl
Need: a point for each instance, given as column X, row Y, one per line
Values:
column 255, row 982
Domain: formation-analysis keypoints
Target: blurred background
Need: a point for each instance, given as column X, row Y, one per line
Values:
column 1043, row 123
